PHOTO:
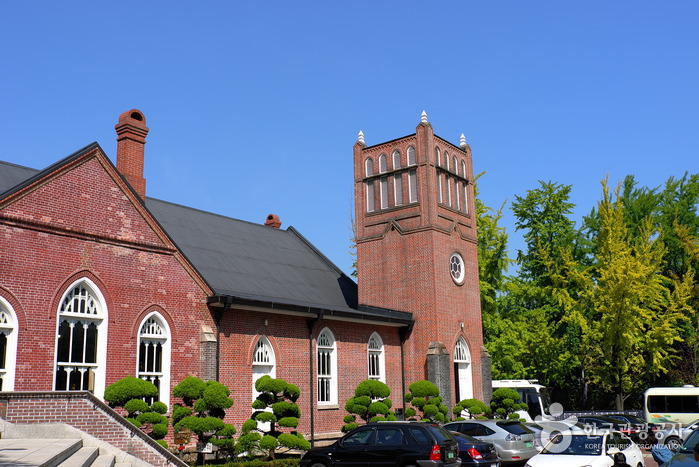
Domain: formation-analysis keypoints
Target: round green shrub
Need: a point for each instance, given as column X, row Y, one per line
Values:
column 258, row 404
column 288, row 422
column 119, row 393
column 378, row 408
column 151, row 418
column 216, row 396
column 200, row 425
column 162, row 442
column 378, row 418
column 410, row 412
column 265, row 417
column 159, row 431
column 294, row 441
column 269, row 443
column 136, row 406
column 179, row 412
column 159, row 407
column 430, row 410
column 372, row 388
column 423, row 388
column 134, row 422
column 419, row 402
column 349, row 418
column 189, row 389
column 349, row 427
column 292, row 392
column 249, row 425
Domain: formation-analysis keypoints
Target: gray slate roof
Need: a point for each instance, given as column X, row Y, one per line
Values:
column 248, row 262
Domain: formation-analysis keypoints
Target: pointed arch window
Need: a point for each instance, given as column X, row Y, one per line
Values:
column 376, row 358
column 412, row 160
column 463, row 370
column 446, row 160
column 396, row 159
column 326, row 363
column 438, row 157
column 454, row 165
column 263, row 362
column 154, row 345
column 382, row 164
column 81, row 340
column 8, row 346
column 369, row 167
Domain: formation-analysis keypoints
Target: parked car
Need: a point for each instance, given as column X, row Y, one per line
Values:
column 672, row 435
column 592, row 450
column 513, row 441
column 685, row 454
column 645, row 432
column 599, row 423
column 389, row 444
column 545, row 430
column 476, row 453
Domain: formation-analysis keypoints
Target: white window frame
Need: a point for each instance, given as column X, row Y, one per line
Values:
column 9, row 327
column 464, row 370
column 383, row 192
column 398, row 189
column 154, row 330
column 370, row 196
column 264, row 362
column 369, row 166
column 376, row 360
column 412, row 186
column 446, row 160
column 326, row 368
column 412, row 158
column 465, row 201
column 99, row 316
column 383, row 165
column 396, row 159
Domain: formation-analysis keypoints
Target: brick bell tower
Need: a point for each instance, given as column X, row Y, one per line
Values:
column 417, row 252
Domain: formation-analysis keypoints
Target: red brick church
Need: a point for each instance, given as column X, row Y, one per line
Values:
column 99, row 281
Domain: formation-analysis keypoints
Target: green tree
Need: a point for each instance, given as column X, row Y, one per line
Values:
column 505, row 403
column 203, row 409
column 637, row 311
column 424, row 397
column 370, row 403
column 471, row 407
column 275, row 409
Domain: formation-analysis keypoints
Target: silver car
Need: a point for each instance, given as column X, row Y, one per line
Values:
column 672, row 435
column 513, row 441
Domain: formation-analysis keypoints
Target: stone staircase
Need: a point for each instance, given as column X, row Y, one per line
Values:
column 52, row 453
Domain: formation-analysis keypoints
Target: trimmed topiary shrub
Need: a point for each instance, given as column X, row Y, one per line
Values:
column 275, row 409
column 505, row 402
column 473, row 408
column 129, row 393
column 424, row 396
column 370, row 403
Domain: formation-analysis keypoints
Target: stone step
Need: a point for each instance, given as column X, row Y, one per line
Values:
column 84, row 457
column 104, row 460
column 37, row 452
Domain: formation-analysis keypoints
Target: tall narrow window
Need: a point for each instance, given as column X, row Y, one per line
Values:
column 412, row 160
column 382, row 163
column 463, row 169
column 383, row 185
column 376, row 358
column 446, row 160
column 370, row 196
column 369, row 167
column 263, row 363
column 448, row 183
column 457, row 191
column 154, row 355
column 398, row 189
column 462, row 370
column 81, row 341
column 326, row 367
column 465, row 205
column 454, row 165
column 8, row 346
column 412, row 186
column 396, row 159
column 438, row 157
column 440, row 196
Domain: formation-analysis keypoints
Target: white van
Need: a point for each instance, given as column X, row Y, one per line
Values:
column 671, row 405
column 531, row 393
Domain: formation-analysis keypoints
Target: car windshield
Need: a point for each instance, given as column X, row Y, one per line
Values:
column 688, row 446
column 575, row 445
column 515, row 428
column 545, row 399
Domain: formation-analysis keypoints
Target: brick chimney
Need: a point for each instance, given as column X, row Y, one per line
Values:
column 131, row 139
column 273, row 221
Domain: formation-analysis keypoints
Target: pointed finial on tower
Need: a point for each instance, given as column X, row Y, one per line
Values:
column 360, row 137
column 423, row 117
column 462, row 143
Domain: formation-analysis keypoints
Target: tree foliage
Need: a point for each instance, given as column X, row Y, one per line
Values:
column 130, row 394
column 424, row 398
column 370, row 403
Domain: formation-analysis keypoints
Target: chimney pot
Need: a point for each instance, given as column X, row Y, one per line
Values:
column 273, row 221
column 131, row 138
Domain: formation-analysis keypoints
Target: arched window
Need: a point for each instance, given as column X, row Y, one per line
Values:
column 369, row 167
column 396, row 159
column 457, row 191
column 465, row 202
column 370, row 196
column 454, row 165
column 154, row 345
column 326, row 367
column 463, row 169
column 382, row 163
column 446, row 160
column 8, row 346
column 438, row 157
column 398, row 189
column 383, row 192
column 411, row 156
column 462, row 370
column 376, row 358
column 263, row 363
column 81, row 343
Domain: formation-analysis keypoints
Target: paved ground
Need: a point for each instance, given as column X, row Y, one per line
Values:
column 648, row 459
column 32, row 452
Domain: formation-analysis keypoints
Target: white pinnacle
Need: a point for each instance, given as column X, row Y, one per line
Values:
column 463, row 141
column 360, row 137
column 423, row 117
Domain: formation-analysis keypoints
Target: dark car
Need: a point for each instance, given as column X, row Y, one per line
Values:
column 389, row 444
column 685, row 455
column 645, row 431
column 476, row 453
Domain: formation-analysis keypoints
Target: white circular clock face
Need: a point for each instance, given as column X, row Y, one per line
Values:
column 456, row 268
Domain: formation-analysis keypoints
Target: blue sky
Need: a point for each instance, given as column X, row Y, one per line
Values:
column 253, row 107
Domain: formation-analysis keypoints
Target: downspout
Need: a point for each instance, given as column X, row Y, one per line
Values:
column 404, row 333
column 217, row 318
column 311, row 323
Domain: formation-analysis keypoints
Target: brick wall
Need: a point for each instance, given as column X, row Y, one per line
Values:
column 85, row 412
